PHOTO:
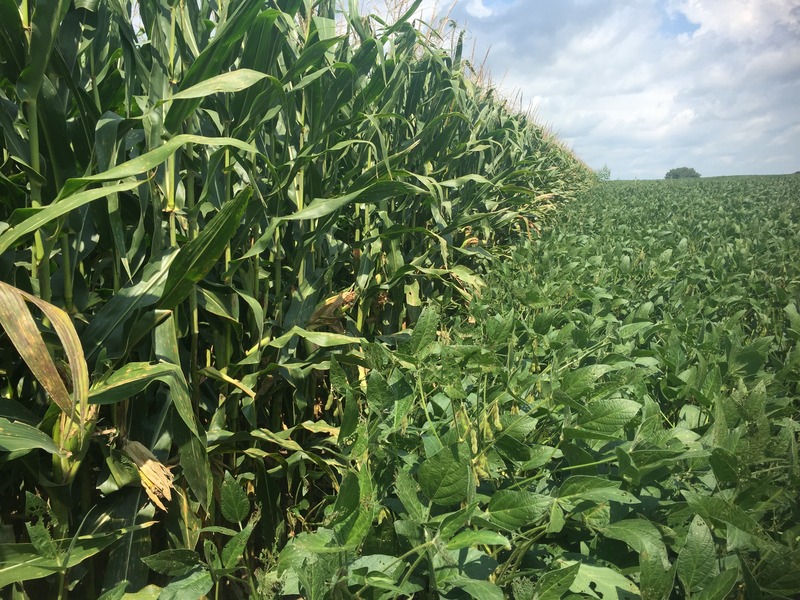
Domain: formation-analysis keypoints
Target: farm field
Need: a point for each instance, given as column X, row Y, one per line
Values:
column 653, row 336
column 616, row 416
column 293, row 304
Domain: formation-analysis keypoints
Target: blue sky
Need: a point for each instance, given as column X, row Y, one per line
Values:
column 647, row 85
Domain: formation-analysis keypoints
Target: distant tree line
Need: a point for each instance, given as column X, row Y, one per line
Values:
column 681, row 173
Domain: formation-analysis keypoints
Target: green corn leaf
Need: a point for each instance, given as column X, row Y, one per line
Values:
column 150, row 160
column 233, row 81
column 310, row 56
column 47, row 16
column 22, row 562
column 12, row 40
column 134, row 378
column 381, row 190
column 320, row 338
column 42, row 216
column 198, row 256
column 211, row 60
column 16, row 437
column 103, row 332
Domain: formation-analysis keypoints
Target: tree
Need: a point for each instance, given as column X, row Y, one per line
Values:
column 603, row 174
column 681, row 173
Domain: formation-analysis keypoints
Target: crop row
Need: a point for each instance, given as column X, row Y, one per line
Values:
column 201, row 202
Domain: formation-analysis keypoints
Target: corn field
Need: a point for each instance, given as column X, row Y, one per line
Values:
column 208, row 211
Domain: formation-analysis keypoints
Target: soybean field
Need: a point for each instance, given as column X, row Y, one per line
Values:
column 643, row 358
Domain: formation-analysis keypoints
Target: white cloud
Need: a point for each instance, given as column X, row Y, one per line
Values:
column 740, row 19
column 648, row 85
column 476, row 8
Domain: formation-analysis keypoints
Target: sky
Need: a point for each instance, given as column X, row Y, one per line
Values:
column 644, row 86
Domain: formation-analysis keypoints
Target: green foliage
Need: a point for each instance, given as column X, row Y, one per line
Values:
column 276, row 323
column 215, row 220
column 603, row 174
column 601, row 406
column 681, row 173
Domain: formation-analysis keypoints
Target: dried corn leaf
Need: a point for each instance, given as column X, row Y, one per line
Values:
column 156, row 478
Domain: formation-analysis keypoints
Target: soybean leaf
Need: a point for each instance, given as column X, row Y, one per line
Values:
column 352, row 518
column 640, row 535
column 115, row 593
column 513, row 509
column 479, row 589
column 234, row 503
column 655, row 578
column 697, row 559
column 597, row 489
column 424, row 332
column 554, row 584
column 195, row 584
column 720, row 586
column 406, row 489
column 608, row 416
column 234, row 548
column 445, row 476
column 174, row 563
column 579, row 382
column 469, row 538
column 604, row 582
